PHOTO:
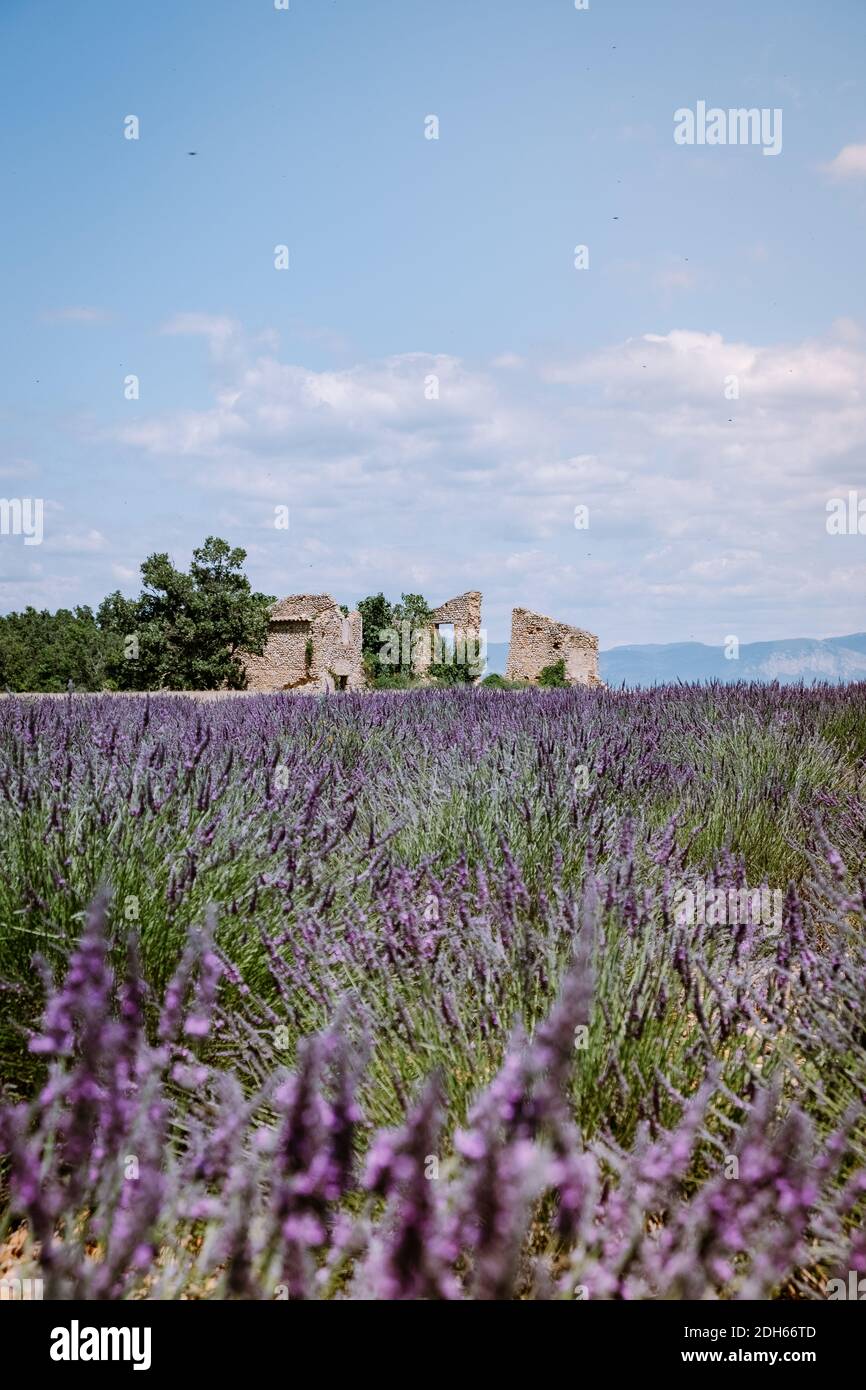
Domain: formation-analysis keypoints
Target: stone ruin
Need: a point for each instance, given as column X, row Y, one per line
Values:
column 463, row 613
column 312, row 646
column 537, row 641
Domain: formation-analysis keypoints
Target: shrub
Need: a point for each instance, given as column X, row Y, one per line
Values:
column 451, row 672
column 496, row 682
column 394, row 679
column 553, row 676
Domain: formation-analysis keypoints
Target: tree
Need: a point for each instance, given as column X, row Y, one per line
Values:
column 388, row 657
column 375, row 613
column 54, row 651
column 187, row 631
column 412, row 608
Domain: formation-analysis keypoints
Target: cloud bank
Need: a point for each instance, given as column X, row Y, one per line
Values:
column 705, row 464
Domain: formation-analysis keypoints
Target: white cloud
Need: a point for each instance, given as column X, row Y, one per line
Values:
column 216, row 327
column 704, row 510
column 75, row 542
column 77, row 313
column 849, row 163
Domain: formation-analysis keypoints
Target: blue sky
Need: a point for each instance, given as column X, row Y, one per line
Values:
column 412, row 258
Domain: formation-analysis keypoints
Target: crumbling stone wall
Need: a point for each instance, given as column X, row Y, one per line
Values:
column 537, row 641
column 464, row 614
column 312, row 646
column 338, row 662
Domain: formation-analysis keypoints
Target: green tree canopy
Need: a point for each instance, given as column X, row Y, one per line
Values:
column 379, row 616
column 187, row 631
column 376, row 615
column 46, row 651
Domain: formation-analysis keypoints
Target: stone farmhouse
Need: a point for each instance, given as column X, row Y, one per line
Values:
column 313, row 647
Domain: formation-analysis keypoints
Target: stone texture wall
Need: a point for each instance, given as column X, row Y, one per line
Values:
column 464, row 611
column 337, row 650
column 537, row 641
column 311, row 647
column 464, row 614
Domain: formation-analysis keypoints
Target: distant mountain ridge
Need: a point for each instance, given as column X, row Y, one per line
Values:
column 788, row 660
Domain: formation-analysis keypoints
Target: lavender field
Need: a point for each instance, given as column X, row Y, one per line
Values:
column 459, row 994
